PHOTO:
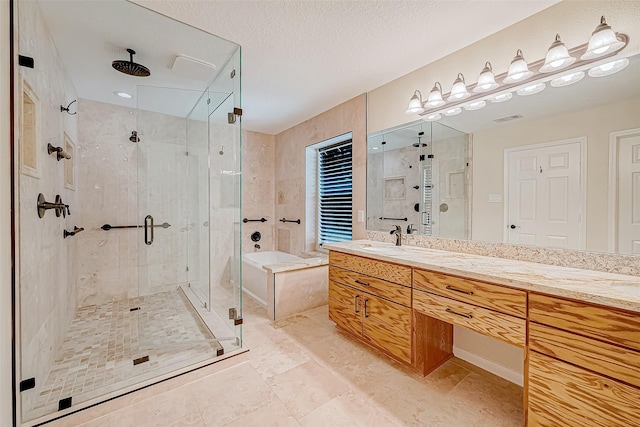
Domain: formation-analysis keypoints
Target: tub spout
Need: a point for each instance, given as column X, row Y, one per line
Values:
column 257, row 246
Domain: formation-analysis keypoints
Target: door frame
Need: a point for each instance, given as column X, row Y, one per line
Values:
column 582, row 239
column 612, row 216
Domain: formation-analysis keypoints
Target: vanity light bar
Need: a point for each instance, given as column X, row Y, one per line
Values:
column 539, row 72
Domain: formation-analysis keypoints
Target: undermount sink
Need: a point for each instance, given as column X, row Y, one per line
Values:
column 382, row 249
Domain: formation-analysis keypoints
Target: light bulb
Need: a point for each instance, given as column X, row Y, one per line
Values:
column 502, row 97
column 435, row 97
column 557, row 57
column 453, row 111
column 475, row 105
column 486, row 81
column 568, row 79
column 602, row 42
column 609, row 68
column 459, row 90
column 518, row 70
column 532, row 90
column 415, row 103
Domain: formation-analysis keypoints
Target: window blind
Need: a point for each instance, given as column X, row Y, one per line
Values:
column 335, row 193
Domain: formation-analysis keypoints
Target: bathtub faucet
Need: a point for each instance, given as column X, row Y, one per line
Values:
column 397, row 230
column 257, row 246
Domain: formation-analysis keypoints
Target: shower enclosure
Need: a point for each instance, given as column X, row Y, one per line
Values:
column 130, row 273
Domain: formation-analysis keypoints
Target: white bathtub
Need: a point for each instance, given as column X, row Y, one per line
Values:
column 254, row 278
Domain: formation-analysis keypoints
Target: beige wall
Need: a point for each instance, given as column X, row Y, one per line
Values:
column 290, row 170
column 5, row 221
column 595, row 124
column 258, row 189
column 574, row 20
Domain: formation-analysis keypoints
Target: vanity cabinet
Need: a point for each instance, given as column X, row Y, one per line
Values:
column 584, row 364
column 371, row 300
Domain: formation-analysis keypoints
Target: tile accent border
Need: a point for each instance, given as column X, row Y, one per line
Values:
column 610, row 263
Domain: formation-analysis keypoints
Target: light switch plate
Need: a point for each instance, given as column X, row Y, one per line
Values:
column 495, row 198
column 360, row 216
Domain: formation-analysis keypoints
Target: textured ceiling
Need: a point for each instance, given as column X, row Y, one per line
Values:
column 300, row 58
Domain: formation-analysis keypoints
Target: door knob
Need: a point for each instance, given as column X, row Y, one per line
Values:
column 512, row 226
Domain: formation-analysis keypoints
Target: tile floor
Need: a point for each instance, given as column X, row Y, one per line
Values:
column 302, row 372
column 97, row 354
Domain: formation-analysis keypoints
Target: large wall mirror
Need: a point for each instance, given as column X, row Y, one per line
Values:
column 558, row 168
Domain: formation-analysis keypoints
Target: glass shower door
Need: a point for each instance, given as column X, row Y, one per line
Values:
column 168, row 220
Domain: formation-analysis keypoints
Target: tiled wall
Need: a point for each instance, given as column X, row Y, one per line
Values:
column 258, row 190
column 47, row 262
column 110, row 169
column 107, row 193
column 290, row 171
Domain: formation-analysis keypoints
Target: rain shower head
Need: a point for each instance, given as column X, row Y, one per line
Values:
column 131, row 68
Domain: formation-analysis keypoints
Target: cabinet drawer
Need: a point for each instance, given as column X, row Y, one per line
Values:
column 498, row 298
column 607, row 359
column 561, row 394
column 602, row 323
column 383, row 270
column 392, row 291
column 498, row 325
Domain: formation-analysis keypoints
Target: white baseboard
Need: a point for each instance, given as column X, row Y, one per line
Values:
column 488, row 365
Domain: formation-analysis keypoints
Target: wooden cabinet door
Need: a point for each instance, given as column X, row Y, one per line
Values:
column 388, row 326
column 345, row 308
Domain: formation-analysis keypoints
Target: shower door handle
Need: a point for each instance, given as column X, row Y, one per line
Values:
column 148, row 229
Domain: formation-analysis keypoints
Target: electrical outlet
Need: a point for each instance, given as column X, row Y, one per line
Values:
column 360, row 216
column 495, row 198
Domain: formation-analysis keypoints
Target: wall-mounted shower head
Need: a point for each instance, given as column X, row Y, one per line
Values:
column 129, row 67
column 134, row 136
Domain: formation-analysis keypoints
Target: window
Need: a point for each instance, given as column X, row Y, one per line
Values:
column 335, row 210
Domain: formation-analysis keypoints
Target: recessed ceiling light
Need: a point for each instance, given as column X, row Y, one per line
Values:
column 121, row 94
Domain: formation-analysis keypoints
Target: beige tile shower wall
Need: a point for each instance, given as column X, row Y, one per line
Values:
column 290, row 159
column 595, row 124
column 47, row 263
column 258, row 189
column 574, row 20
column 108, row 194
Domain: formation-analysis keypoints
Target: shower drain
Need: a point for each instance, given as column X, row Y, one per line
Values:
column 140, row 360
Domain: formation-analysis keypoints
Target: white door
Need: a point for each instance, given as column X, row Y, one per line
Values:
column 629, row 194
column 544, row 195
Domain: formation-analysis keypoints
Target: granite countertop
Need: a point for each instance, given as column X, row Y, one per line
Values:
column 614, row 290
column 315, row 259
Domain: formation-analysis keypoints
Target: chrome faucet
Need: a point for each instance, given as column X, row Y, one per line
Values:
column 410, row 229
column 397, row 230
